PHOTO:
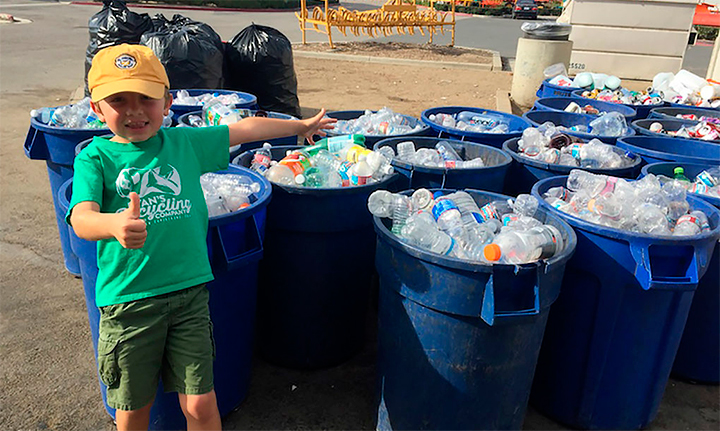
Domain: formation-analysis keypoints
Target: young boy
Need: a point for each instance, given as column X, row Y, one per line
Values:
column 138, row 194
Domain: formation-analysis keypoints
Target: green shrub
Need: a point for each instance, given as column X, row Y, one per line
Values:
column 706, row 33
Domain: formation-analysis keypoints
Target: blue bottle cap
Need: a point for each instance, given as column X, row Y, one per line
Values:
column 437, row 195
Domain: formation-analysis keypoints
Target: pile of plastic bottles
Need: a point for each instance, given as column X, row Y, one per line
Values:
column 383, row 122
column 686, row 88
column 339, row 161
column 76, row 116
column 226, row 193
column 705, row 183
column 548, row 145
column 453, row 225
column 442, row 156
column 704, row 130
column 644, row 206
column 610, row 124
column 558, row 75
column 693, row 117
column 468, row 121
column 587, row 109
column 182, row 97
column 625, row 96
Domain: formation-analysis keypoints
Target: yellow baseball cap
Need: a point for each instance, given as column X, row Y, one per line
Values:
column 127, row 68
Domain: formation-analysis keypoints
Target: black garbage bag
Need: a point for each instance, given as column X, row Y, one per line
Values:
column 115, row 24
column 259, row 61
column 191, row 51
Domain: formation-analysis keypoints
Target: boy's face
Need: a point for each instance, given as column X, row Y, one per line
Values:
column 132, row 117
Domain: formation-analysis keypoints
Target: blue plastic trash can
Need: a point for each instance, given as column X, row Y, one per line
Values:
column 668, row 149
column 642, row 127
column 56, row 146
column 672, row 112
column 547, row 89
column 238, row 149
column 516, row 125
column 614, row 330
column 316, row 278
column 490, row 177
column 569, row 119
column 235, row 246
column 370, row 140
column 248, row 101
column 642, row 110
column 698, row 357
column 558, row 104
column 525, row 172
column 458, row 340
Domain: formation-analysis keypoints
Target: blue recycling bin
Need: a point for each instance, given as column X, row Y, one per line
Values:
column 559, row 104
column 56, row 146
column 668, row 149
column 235, row 246
column 704, row 108
column 316, row 278
column 547, row 89
column 525, row 172
column 672, row 112
column 235, row 151
column 458, row 340
column 642, row 127
column 515, row 124
column 248, row 101
column 490, row 177
column 614, row 330
column 698, row 357
column 569, row 119
column 643, row 111
column 370, row 140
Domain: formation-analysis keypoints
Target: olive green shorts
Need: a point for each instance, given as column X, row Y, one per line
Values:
column 168, row 336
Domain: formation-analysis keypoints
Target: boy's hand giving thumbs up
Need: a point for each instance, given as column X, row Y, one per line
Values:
column 130, row 231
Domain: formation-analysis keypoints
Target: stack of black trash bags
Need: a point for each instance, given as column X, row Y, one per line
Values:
column 258, row 60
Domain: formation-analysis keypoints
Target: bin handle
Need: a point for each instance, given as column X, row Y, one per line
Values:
column 229, row 262
column 412, row 171
column 444, row 177
column 35, row 146
column 644, row 273
column 488, row 312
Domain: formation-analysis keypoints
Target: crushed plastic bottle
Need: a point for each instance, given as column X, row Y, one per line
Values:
column 226, row 193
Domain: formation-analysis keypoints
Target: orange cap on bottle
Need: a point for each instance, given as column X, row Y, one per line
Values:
column 492, row 252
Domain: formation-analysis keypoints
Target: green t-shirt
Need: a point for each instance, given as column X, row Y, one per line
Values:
column 165, row 172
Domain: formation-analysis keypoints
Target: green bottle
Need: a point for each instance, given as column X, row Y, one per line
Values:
column 679, row 174
column 335, row 143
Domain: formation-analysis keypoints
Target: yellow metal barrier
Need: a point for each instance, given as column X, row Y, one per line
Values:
column 399, row 16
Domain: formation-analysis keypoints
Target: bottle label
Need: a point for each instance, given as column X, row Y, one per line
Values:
column 450, row 164
column 296, row 162
column 575, row 150
column 344, row 171
column 441, row 206
column 509, row 218
column 609, row 185
column 705, row 178
column 336, row 143
column 488, row 212
column 698, row 188
column 261, row 159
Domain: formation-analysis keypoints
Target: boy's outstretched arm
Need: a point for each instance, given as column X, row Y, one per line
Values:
column 262, row 128
column 126, row 226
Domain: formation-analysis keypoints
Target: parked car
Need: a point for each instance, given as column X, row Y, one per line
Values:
column 525, row 9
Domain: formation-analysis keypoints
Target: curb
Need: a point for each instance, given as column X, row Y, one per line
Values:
column 496, row 64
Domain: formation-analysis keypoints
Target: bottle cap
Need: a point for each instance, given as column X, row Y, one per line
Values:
column 437, row 194
column 679, row 170
column 299, row 179
column 492, row 252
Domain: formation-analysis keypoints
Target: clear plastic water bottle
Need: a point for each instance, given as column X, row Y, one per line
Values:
column 262, row 158
column 380, row 164
column 419, row 231
column 516, row 247
column 447, row 152
column 495, row 210
column 610, row 124
column 526, row 205
column 361, row 172
column 448, row 216
column 651, row 219
column 406, row 151
column 422, row 200
column 382, row 203
column 477, row 162
column 428, row 157
column 710, row 177
column 280, row 174
column 693, row 223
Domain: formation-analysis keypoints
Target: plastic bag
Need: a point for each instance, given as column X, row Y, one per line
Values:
column 546, row 30
column 259, row 61
column 115, row 24
column 191, row 51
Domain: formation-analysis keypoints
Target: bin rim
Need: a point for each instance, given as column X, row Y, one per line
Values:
column 629, row 112
column 629, row 130
column 681, row 105
column 440, row 171
column 252, row 98
column 578, row 94
column 464, row 265
column 610, row 232
column 263, row 197
column 183, row 117
column 325, row 191
column 627, row 143
column 424, row 116
column 358, row 112
column 565, row 168
column 696, row 110
column 47, row 128
column 715, row 201
column 85, row 142
column 646, row 122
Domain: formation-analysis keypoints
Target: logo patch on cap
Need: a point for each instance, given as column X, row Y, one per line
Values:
column 125, row 61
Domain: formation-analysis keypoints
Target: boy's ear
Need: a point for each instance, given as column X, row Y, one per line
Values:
column 168, row 104
column 96, row 109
